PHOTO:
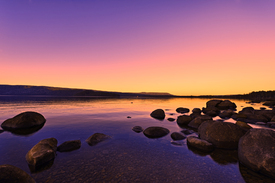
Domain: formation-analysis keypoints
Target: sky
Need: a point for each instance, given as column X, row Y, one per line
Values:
column 184, row 47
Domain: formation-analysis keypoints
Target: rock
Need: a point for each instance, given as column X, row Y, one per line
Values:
column 226, row 104
column 177, row 136
column 182, row 110
column 187, row 132
column 243, row 125
column 183, row 120
column 195, row 123
column 158, row 114
column 273, row 119
column 10, row 173
column 137, row 129
column 23, row 121
column 42, row 153
column 155, row 132
column 129, row 117
column 223, row 135
column 194, row 115
column 200, row 144
column 269, row 103
column 256, row 151
column 248, row 110
column 260, row 123
column 196, row 110
column 268, row 114
column 96, row 138
column 171, row 119
column 257, row 118
column 177, row 143
column 212, row 103
column 69, row 146
column 226, row 114
column 211, row 111
column 262, row 108
column 271, row 124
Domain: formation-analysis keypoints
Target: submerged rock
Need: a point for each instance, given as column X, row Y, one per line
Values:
column 23, row 121
column 200, row 144
column 256, row 151
column 137, row 129
column 223, row 135
column 43, row 152
column 177, row 136
column 69, row 146
column 155, row 132
column 187, row 132
column 171, row 119
column 158, row 114
column 13, row 174
column 96, row 138
column 182, row 110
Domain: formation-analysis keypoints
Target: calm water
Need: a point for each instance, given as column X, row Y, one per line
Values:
column 127, row 156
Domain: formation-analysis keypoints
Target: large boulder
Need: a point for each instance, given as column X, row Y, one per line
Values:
column 223, row 135
column 42, row 153
column 155, row 132
column 200, row 144
column 182, row 110
column 226, row 104
column 211, row 111
column 183, row 120
column 23, row 121
column 13, row 174
column 96, row 138
column 69, row 146
column 256, row 151
column 195, row 123
column 212, row 103
column 137, row 129
column 226, row 114
column 158, row 114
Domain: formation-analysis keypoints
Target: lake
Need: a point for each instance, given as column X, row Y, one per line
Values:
column 126, row 157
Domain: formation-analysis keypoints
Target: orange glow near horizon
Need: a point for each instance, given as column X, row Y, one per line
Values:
column 222, row 49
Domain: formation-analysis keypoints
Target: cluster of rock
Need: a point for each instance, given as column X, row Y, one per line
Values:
column 255, row 146
column 44, row 152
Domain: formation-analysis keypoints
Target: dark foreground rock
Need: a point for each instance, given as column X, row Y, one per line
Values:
column 43, row 152
column 96, row 138
column 243, row 125
column 69, row 146
column 195, row 123
column 171, row 119
column 256, row 151
column 23, row 121
column 200, row 144
column 177, row 136
column 158, row 114
column 13, row 174
column 211, row 111
column 155, row 132
column 137, row 129
column 182, row 110
column 223, row 135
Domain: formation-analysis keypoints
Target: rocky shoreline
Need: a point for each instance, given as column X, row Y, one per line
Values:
column 199, row 129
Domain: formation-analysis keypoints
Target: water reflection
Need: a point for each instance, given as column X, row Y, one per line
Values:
column 225, row 157
column 27, row 131
column 41, row 168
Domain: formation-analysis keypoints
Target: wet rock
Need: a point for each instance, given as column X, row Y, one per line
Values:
column 171, row 119
column 256, row 151
column 248, row 110
column 257, row 118
column 155, row 132
column 226, row 104
column 23, row 121
column 177, row 136
column 200, row 144
column 183, row 120
column 222, row 135
column 158, row 114
column 269, row 103
column 129, row 117
column 271, row 124
column 69, row 146
column 177, row 143
column 182, row 110
column 262, row 108
column 213, row 103
column 43, row 152
column 226, row 114
column 96, row 138
column 260, row 123
column 10, row 173
column 137, row 129
column 243, row 125
column 195, row 123
column 194, row 115
column 272, row 119
column 268, row 114
column 196, row 110
column 211, row 111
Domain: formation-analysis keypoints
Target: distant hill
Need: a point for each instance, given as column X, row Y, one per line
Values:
column 28, row 90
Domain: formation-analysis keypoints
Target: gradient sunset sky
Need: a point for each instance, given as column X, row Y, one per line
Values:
column 184, row 47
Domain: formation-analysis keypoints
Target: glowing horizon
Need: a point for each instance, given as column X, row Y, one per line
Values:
column 183, row 48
